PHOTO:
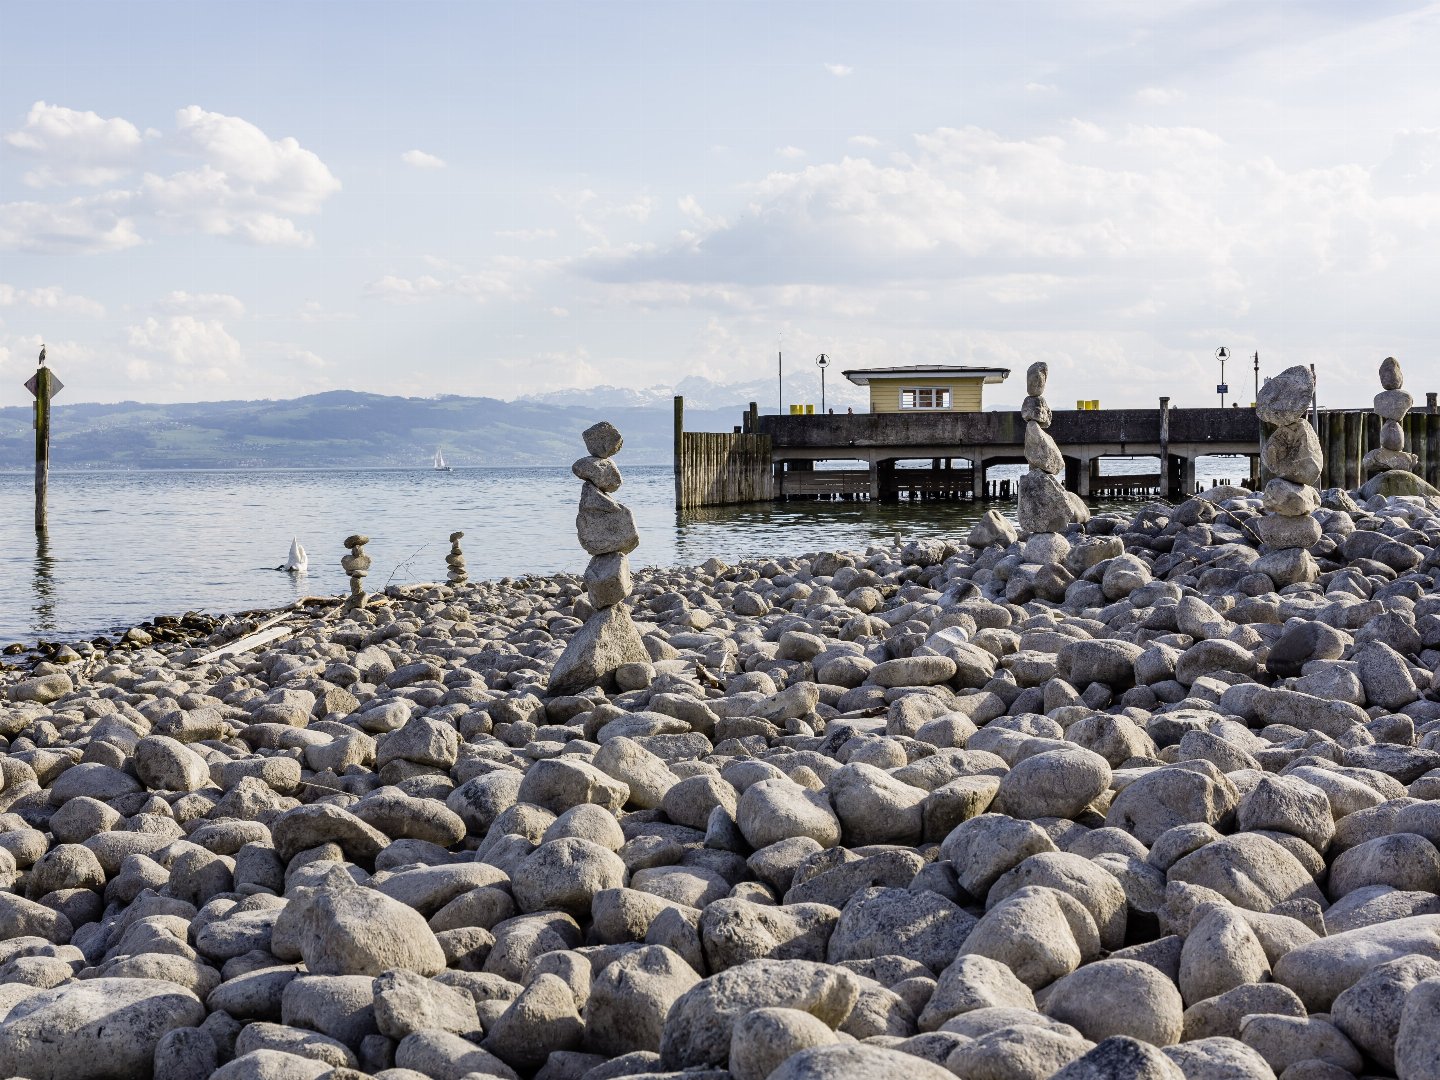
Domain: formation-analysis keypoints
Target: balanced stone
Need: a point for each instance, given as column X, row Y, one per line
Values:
column 992, row 528
column 356, row 565
column 1391, row 377
column 1033, row 410
column 602, row 440
column 1041, row 452
column 599, row 471
column 603, row 524
column 1392, row 435
column 1292, row 452
column 1035, row 377
column 456, row 561
column 607, row 579
column 1393, row 404
column 1286, row 397
column 1043, row 503
column 1291, row 500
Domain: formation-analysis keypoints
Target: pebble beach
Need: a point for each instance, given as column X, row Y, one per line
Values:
column 1148, row 793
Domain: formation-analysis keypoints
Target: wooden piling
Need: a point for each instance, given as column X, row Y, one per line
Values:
column 1432, row 442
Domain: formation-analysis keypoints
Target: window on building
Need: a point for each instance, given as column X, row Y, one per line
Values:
column 925, row 397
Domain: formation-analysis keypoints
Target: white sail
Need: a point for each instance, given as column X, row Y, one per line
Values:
column 440, row 460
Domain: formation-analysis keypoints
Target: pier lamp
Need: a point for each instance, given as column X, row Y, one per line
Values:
column 1222, row 354
column 1257, row 377
column 822, row 362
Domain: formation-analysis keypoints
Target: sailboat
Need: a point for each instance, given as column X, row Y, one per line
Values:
column 440, row 465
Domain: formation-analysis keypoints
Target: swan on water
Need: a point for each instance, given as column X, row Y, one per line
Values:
column 296, row 562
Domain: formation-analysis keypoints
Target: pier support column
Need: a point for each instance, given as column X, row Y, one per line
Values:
column 1187, row 476
column 886, row 477
column 874, row 481
column 977, row 479
column 1086, row 477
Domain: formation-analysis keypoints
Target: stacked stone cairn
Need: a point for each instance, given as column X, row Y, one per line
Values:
column 356, row 565
column 1291, row 455
column 456, row 561
column 1389, row 467
column 606, row 529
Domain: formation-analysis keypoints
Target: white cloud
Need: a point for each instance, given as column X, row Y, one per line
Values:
column 419, row 159
column 75, row 147
column 789, row 153
column 1133, row 241
column 494, row 282
column 50, row 298
column 527, row 234
column 840, row 70
column 691, row 208
column 244, row 185
column 1040, row 88
column 1159, row 95
column 81, row 226
column 183, row 349
column 867, row 142
column 215, row 305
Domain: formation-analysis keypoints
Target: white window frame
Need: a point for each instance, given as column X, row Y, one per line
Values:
column 932, row 394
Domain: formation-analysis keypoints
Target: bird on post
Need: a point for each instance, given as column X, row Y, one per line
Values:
column 42, row 354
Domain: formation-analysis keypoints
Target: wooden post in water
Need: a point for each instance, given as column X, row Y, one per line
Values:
column 44, row 385
column 679, row 451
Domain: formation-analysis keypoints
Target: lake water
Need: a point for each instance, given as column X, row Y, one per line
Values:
column 123, row 547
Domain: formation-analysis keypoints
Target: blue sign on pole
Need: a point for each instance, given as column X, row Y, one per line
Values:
column 1222, row 388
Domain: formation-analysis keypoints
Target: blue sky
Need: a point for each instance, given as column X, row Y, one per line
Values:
column 221, row 200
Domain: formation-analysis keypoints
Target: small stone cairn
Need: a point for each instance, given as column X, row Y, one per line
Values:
column 356, row 565
column 1292, row 456
column 606, row 529
column 456, row 561
column 1389, row 467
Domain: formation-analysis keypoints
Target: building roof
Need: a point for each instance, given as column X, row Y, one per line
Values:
column 864, row 376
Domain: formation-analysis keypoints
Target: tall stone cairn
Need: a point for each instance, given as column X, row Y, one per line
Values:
column 606, row 529
column 356, row 565
column 1391, row 404
column 1044, row 504
column 1292, row 457
column 456, row 561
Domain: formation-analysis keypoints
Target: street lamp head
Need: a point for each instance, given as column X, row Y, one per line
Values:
column 822, row 360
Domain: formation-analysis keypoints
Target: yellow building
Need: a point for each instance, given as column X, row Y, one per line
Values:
column 926, row 387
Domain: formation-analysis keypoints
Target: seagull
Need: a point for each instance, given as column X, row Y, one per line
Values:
column 42, row 354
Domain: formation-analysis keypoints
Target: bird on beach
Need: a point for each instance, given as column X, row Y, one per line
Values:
column 42, row 354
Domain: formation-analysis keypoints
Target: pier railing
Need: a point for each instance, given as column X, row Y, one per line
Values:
column 769, row 457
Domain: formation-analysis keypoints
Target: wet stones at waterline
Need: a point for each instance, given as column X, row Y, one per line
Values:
column 606, row 529
column 455, row 561
column 356, row 565
column 1292, row 456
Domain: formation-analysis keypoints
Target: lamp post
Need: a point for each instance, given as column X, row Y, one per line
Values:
column 1222, row 354
column 822, row 362
column 1257, row 377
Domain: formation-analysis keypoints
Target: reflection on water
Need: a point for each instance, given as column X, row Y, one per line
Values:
column 125, row 547
column 43, row 584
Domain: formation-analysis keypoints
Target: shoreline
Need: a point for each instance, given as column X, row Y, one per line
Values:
column 961, row 791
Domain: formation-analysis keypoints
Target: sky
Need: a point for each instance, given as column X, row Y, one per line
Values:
column 206, row 201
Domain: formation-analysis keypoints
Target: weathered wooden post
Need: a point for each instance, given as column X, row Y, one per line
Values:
column 679, row 452
column 44, row 385
column 1167, row 489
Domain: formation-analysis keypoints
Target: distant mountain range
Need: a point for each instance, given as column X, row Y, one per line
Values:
column 705, row 394
column 346, row 428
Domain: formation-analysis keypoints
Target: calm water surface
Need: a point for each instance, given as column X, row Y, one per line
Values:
column 123, row 547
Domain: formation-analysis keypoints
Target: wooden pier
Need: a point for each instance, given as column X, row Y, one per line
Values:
column 947, row 456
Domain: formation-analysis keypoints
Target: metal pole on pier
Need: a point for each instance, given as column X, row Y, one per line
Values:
column 44, row 385
column 822, row 361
